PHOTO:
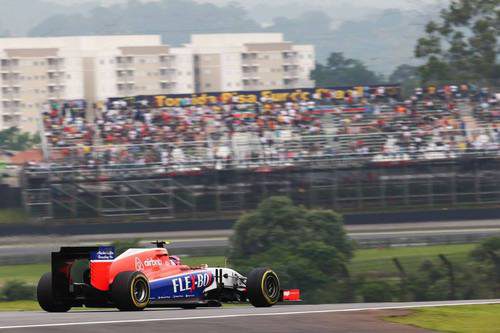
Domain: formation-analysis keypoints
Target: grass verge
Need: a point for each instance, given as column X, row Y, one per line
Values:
column 379, row 261
column 10, row 216
column 19, row 306
column 456, row 319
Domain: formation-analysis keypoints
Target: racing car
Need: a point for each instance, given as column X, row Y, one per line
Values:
column 149, row 277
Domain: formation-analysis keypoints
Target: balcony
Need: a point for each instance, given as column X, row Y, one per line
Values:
column 55, row 65
column 124, row 62
column 168, row 80
column 12, row 112
column 290, row 58
column 55, row 75
column 291, row 74
column 167, row 72
column 251, row 75
column 167, row 61
column 167, row 85
column 167, row 65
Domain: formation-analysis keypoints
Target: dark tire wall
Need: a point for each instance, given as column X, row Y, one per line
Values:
column 47, row 297
column 122, row 291
column 257, row 293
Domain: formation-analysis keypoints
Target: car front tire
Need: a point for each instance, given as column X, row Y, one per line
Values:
column 263, row 287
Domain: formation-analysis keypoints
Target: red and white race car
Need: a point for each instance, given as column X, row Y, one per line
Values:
column 149, row 277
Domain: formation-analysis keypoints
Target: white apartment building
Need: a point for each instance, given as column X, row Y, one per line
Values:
column 34, row 71
column 250, row 61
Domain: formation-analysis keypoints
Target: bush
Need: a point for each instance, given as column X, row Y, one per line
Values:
column 379, row 291
column 308, row 248
column 16, row 290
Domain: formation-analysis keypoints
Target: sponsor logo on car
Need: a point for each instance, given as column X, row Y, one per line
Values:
column 153, row 262
column 103, row 253
column 141, row 265
column 191, row 282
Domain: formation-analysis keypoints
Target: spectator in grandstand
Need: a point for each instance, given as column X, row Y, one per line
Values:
column 426, row 125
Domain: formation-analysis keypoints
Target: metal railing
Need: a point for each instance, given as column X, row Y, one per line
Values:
column 288, row 151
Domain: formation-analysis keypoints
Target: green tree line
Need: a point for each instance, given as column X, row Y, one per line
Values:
column 310, row 250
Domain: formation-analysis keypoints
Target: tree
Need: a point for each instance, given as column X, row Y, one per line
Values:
column 407, row 76
column 308, row 248
column 13, row 139
column 463, row 44
column 488, row 254
column 342, row 71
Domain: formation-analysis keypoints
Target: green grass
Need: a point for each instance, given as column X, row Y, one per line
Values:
column 379, row 261
column 13, row 216
column 457, row 319
column 19, row 306
column 27, row 273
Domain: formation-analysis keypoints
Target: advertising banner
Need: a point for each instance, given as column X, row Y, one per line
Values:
column 252, row 97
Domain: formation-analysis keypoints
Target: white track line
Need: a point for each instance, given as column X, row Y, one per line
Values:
column 245, row 315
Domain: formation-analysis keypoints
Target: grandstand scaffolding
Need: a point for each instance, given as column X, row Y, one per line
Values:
column 373, row 187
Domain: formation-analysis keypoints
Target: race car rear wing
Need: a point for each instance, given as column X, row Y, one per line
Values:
column 62, row 262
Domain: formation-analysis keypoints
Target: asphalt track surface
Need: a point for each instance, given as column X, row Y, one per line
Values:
column 411, row 233
column 282, row 318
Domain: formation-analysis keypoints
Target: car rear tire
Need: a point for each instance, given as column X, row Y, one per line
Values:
column 130, row 291
column 47, row 297
column 263, row 287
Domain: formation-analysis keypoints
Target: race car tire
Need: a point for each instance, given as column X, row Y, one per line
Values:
column 46, row 296
column 189, row 306
column 263, row 287
column 130, row 291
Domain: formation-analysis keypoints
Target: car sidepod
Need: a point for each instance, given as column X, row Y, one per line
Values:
column 190, row 285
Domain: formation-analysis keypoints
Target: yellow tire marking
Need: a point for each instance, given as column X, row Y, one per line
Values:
column 139, row 305
column 264, row 292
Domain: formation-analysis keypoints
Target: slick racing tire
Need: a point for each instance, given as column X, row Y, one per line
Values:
column 130, row 291
column 263, row 287
column 47, row 297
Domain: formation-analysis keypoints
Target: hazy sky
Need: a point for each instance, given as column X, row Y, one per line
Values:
column 251, row 3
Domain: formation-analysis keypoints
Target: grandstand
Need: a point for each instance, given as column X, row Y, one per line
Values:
column 364, row 149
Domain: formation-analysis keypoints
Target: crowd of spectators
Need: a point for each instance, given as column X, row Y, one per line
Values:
column 435, row 123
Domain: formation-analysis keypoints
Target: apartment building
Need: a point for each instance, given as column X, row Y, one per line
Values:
column 250, row 61
column 34, row 71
